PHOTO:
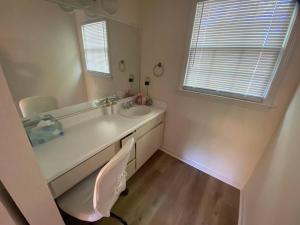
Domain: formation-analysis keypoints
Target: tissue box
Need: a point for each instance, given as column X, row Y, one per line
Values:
column 42, row 129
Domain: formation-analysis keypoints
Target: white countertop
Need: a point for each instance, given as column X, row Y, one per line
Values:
column 84, row 140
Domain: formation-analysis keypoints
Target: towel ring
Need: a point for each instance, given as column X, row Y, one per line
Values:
column 158, row 70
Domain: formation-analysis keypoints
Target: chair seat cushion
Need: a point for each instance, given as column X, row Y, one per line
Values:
column 78, row 201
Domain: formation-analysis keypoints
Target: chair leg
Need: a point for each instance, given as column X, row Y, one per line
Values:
column 118, row 218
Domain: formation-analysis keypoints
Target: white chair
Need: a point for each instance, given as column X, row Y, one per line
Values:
column 93, row 198
column 37, row 104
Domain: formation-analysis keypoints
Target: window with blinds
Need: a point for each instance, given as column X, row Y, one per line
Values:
column 94, row 36
column 236, row 46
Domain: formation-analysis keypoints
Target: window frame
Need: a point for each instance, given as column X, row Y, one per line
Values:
column 281, row 64
column 108, row 75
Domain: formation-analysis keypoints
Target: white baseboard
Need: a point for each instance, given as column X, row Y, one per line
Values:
column 203, row 169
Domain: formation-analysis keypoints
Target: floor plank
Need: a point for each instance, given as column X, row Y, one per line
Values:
column 166, row 191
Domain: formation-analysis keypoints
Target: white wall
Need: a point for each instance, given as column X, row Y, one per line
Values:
column 39, row 51
column 5, row 217
column 271, row 197
column 221, row 137
column 128, row 12
column 19, row 171
column 124, row 44
column 9, row 213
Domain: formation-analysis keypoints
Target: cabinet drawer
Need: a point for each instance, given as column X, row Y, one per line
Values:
column 132, row 153
column 147, row 145
column 78, row 173
column 148, row 126
column 130, row 169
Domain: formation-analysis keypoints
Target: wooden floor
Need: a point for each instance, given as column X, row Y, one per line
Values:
column 166, row 191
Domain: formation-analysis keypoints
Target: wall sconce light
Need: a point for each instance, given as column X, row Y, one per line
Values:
column 110, row 6
column 90, row 7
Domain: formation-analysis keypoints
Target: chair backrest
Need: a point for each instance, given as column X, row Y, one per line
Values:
column 111, row 180
column 37, row 104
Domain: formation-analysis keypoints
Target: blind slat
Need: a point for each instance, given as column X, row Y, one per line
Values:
column 236, row 45
column 94, row 37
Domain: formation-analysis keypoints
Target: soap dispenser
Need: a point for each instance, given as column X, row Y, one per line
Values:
column 130, row 90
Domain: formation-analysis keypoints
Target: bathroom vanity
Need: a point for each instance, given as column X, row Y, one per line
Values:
column 72, row 84
column 91, row 140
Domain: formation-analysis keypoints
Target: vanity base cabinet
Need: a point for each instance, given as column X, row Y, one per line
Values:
column 78, row 173
column 148, row 139
column 148, row 144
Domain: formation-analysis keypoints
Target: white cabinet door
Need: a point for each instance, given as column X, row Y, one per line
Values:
column 147, row 145
column 132, row 153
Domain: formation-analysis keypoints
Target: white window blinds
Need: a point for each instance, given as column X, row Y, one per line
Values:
column 95, row 46
column 236, row 46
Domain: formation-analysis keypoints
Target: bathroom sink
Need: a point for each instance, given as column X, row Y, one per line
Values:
column 135, row 111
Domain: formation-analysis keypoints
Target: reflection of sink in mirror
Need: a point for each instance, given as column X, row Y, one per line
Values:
column 136, row 111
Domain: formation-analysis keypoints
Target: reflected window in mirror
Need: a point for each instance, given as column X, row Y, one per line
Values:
column 95, row 46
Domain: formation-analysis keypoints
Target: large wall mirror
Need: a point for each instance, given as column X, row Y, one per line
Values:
column 66, row 58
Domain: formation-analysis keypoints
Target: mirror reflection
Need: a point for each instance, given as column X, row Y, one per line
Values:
column 54, row 59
